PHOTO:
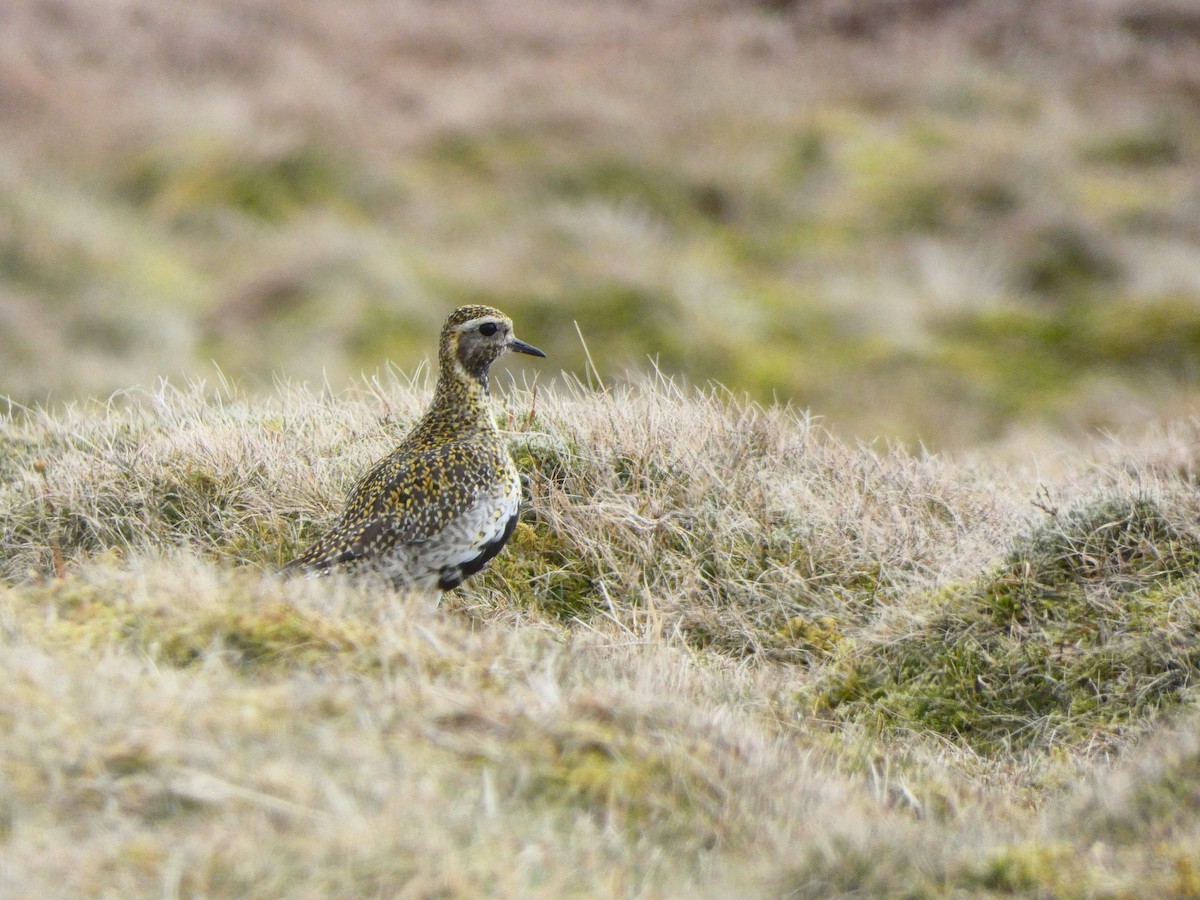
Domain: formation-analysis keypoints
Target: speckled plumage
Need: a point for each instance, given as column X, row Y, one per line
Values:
column 446, row 500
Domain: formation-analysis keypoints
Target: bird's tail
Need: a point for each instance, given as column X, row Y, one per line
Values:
column 313, row 560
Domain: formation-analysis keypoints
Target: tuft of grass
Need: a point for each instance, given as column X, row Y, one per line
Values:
column 1152, row 798
column 1073, row 637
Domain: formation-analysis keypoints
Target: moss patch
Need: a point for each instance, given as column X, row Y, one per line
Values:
column 272, row 635
column 88, row 616
column 1082, row 633
column 543, row 571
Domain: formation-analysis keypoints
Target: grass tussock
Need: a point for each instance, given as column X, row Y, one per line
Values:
column 720, row 634
column 1084, row 630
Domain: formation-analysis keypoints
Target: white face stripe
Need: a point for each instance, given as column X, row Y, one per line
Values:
column 473, row 324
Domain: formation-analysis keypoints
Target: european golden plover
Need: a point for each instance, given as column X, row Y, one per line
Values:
column 445, row 501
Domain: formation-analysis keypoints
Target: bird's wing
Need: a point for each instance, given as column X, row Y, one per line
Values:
column 404, row 499
column 425, row 490
column 363, row 540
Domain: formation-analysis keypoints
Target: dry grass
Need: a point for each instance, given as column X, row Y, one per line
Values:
column 623, row 705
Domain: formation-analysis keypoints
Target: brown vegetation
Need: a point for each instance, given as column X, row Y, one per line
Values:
column 949, row 222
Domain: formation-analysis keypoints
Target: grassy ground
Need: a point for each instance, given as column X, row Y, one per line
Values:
column 746, row 642
column 725, row 653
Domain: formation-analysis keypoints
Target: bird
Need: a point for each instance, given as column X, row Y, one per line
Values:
column 441, row 505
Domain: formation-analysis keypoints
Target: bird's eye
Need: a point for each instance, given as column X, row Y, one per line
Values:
column 487, row 329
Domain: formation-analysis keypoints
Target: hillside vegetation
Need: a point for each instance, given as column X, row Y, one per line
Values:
column 725, row 653
column 869, row 567
column 951, row 222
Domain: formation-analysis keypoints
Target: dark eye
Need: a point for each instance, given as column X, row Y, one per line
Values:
column 487, row 329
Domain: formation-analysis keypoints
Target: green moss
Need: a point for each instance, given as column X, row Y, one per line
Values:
column 553, row 461
column 544, row 571
column 485, row 155
column 1075, row 636
column 735, row 630
column 265, row 538
column 272, row 635
column 1186, row 871
column 747, row 604
column 806, row 152
column 541, row 567
column 820, row 635
column 1021, row 361
column 1031, row 869
column 912, row 178
column 84, row 616
column 1160, row 334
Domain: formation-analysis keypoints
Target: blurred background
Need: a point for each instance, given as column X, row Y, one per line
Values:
column 958, row 222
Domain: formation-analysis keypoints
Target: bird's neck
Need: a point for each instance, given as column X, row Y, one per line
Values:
column 460, row 403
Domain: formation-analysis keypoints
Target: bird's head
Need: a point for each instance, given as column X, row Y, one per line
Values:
column 474, row 337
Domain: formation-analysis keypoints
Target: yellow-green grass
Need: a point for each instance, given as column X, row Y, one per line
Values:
column 725, row 652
